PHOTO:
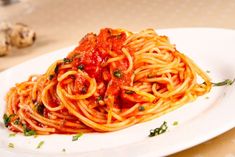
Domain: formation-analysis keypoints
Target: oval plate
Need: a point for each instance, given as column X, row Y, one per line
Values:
column 210, row 115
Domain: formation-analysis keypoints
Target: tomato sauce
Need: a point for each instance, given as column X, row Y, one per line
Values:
column 93, row 51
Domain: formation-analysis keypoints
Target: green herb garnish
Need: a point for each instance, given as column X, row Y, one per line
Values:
column 81, row 67
column 51, row 77
column 11, row 145
column 141, row 108
column 27, row 131
column 225, row 82
column 56, row 70
column 17, row 121
column 157, row 131
column 208, row 71
column 67, row 60
column 40, row 144
column 175, row 123
column 84, row 90
column 12, row 135
column 7, row 119
column 117, row 74
column 39, row 107
column 75, row 137
column 63, row 150
column 99, row 98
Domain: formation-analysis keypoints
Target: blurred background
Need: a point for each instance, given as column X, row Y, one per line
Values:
column 60, row 23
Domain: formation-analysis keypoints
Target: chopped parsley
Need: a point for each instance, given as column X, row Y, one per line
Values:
column 175, row 123
column 81, row 67
column 207, row 97
column 157, row 131
column 51, row 77
column 12, row 135
column 208, row 71
column 84, row 90
column 75, row 137
column 99, row 98
column 117, row 73
column 7, row 119
column 40, row 144
column 63, row 150
column 56, row 70
column 67, row 60
column 225, row 82
column 27, row 131
column 17, row 121
column 141, row 108
column 11, row 145
column 39, row 107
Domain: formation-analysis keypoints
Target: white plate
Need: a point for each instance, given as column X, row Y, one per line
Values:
column 211, row 49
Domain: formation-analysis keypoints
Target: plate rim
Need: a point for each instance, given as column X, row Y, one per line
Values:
column 182, row 147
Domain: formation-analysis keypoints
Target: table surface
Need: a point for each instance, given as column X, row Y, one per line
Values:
column 63, row 23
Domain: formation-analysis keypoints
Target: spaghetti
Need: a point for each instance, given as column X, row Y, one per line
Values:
column 109, row 82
